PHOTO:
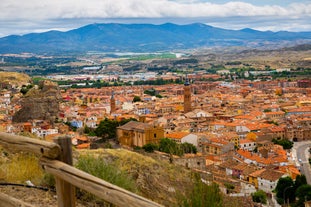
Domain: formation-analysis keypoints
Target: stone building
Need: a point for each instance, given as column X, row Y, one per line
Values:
column 138, row 134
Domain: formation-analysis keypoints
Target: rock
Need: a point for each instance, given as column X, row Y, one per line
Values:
column 40, row 103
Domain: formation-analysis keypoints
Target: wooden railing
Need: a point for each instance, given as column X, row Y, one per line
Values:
column 56, row 158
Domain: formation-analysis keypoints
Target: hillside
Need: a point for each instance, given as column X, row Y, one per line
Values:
column 145, row 38
column 14, row 78
column 156, row 179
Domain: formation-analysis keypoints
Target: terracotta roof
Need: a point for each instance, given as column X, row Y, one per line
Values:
column 134, row 125
column 83, row 146
column 271, row 174
column 177, row 135
column 228, row 164
column 244, row 141
column 256, row 173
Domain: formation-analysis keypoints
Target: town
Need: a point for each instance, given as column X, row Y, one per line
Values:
column 234, row 126
column 241, row 129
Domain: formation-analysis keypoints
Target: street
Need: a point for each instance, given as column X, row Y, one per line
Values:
column 302, row 156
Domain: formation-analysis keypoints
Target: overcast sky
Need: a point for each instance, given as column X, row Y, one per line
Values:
column 26, row 16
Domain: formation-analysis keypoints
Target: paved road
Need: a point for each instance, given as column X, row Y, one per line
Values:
column 302, row 154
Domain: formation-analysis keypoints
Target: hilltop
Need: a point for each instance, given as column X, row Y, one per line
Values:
column 14, row 78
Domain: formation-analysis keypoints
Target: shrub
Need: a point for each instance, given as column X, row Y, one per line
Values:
column 202, row 195
column 108, row 172
column 259, row 197
column 97, row 167
column 150, row 147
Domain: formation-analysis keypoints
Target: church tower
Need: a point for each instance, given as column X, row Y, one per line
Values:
column 187, row 96
column 112, row 103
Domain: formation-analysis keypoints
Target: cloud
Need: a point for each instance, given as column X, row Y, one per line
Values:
column 54, row 9
column 19, row 16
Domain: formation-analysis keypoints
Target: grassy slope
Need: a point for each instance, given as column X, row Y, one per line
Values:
column 14, row 78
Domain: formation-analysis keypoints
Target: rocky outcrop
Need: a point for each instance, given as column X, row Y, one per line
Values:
column 40, row 102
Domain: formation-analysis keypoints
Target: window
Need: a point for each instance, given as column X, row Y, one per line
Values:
column 155, row 135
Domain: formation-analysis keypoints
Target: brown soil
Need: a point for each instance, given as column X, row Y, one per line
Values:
column 35, row 197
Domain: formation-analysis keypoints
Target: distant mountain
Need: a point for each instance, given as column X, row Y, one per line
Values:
column 145, row 38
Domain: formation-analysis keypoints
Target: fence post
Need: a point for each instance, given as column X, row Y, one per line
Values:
column 65, row 191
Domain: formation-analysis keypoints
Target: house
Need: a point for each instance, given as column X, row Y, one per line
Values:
column 182, row 137
column 247, row 144
column 138, row 134
column 267, row 180
column 217, row 146
column 275, row 116
column 253, row 177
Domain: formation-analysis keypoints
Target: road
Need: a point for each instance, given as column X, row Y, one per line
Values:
column 302, row 153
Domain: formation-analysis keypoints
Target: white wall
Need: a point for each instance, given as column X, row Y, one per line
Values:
column 190, row 138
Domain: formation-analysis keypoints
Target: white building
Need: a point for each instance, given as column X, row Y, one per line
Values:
column 268, row 179
column 247, row 144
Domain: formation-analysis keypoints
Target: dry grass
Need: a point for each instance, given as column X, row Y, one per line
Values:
column 156, row 179
column 20, row 167
column 14, row 78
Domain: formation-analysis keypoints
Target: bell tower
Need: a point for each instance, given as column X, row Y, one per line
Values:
column 112, row 103
column 187, row 96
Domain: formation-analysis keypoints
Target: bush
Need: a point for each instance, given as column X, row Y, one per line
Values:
column 202, row 195
column 98, row 167
column 259, row 197
column 150, row 147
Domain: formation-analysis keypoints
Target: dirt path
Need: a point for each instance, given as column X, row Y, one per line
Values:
column 34, row 196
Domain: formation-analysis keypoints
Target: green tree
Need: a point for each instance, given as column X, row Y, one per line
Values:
column 107, row 128
column 285, row 143
column 300, row 180
column 259, row 197
column 169, row 146
column 188, row 148
column 136, row 99
column 303, row 194
column 285, row 190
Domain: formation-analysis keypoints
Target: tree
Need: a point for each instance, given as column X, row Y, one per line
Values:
column 303, row 194
column 169, row 146
column 259, row 197
column 300, row 180
column 285, row 143
column 188, row 148
column 136, row 99
column 107, row 129
column 285, row 190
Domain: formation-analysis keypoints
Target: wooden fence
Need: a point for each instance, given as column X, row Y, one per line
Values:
column 56, row 158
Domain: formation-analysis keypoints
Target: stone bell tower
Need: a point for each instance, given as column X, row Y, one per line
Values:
column 112, row 103
column 187, row 96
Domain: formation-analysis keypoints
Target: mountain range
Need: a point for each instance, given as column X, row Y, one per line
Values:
column 115, row 37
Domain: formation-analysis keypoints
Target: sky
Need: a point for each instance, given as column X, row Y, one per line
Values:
column 27, row 16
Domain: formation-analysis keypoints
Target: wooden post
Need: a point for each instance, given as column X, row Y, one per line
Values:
column 65, row 191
